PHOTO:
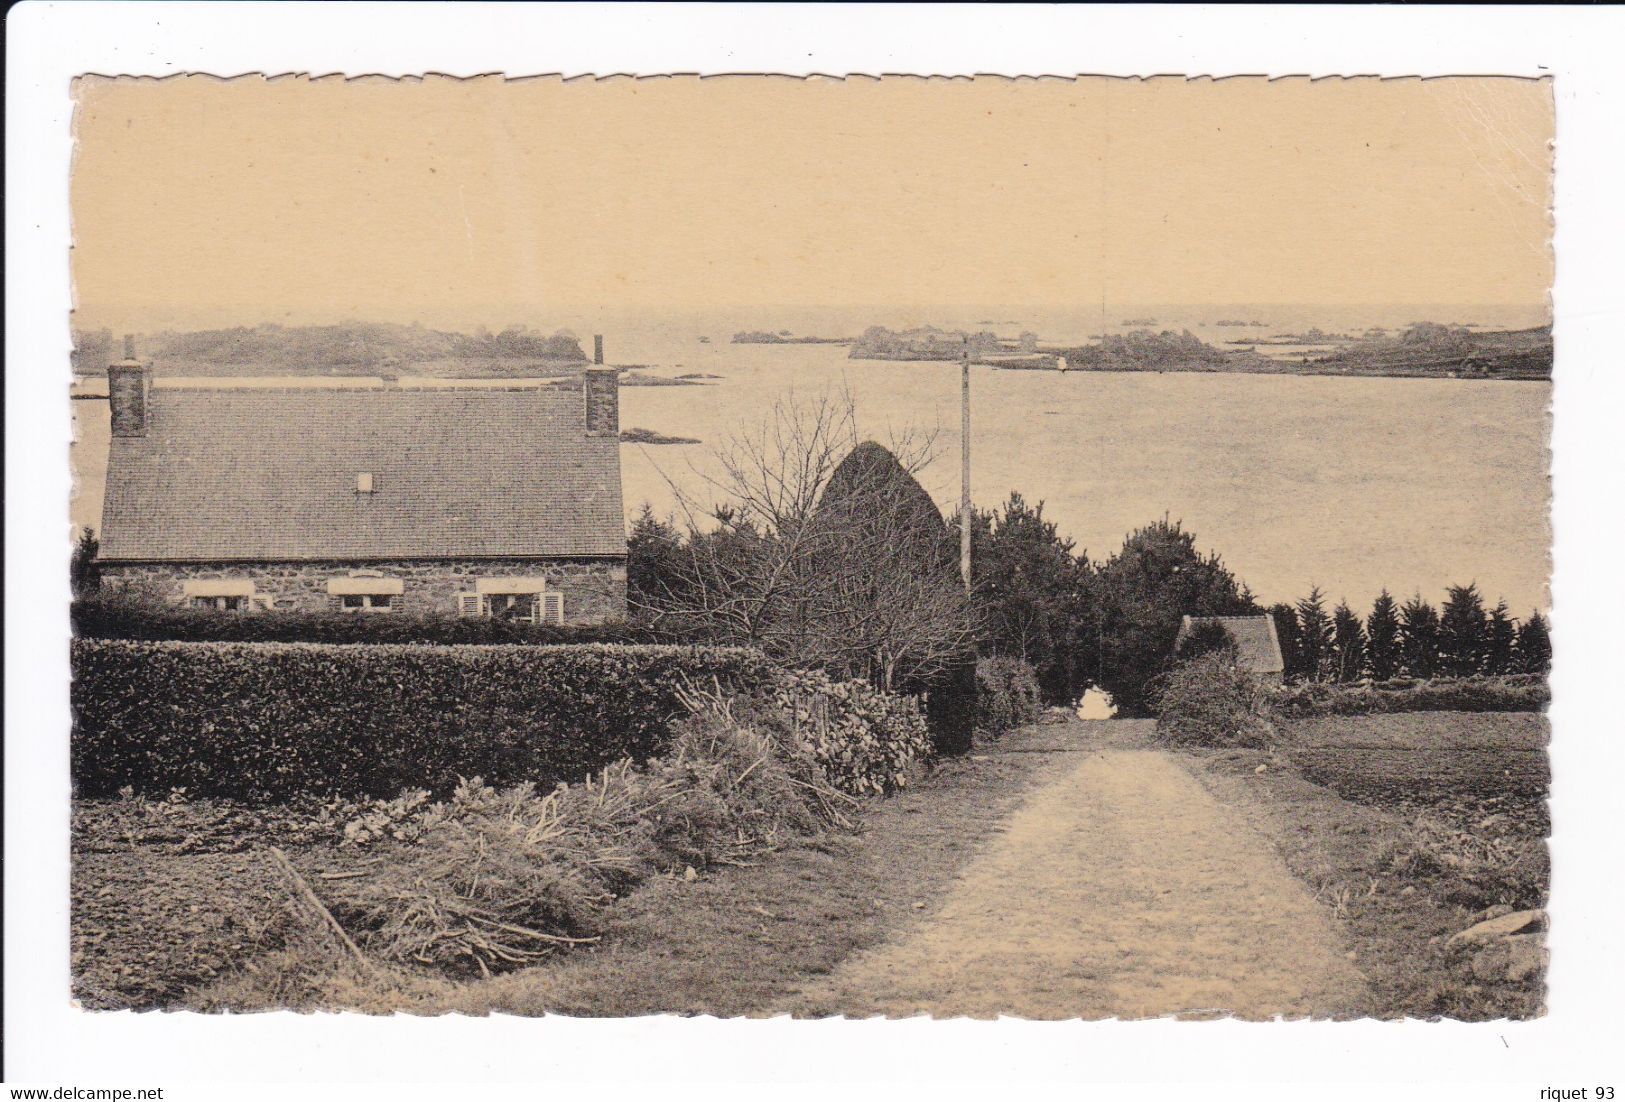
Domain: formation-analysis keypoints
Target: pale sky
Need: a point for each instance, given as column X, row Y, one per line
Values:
column 312, row 200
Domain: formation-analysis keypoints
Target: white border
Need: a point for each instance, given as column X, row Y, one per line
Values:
column 50, row 42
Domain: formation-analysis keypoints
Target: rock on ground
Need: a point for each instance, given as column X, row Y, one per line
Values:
column 1505, row 926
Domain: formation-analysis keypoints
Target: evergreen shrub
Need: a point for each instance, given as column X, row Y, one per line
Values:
column 1007, row 695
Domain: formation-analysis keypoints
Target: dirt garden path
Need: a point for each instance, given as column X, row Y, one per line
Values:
column 1118, row 889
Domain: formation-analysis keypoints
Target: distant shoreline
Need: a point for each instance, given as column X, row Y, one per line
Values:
column 1425, row 350
column 763, row 337
column 77, row 394
column 360, row 351
column 1282, row 369
column 653, row 437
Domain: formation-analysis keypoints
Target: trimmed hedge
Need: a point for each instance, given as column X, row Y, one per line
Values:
column 268, row 721
column 122, row 617
column 1007, row 695
column 1513, row 693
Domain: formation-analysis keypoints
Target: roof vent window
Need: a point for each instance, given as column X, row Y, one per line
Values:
column 363, row 482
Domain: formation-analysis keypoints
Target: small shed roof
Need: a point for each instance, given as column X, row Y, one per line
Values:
column 1258, row 648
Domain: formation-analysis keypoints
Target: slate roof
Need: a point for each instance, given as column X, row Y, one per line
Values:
column 1258, row 647
column 270, row 474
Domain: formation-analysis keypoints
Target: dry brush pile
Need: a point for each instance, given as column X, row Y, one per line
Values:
column 491, row 879
column 1210, row 701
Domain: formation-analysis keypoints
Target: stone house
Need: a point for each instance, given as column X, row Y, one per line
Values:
column 1258, row 647
column 480, row 500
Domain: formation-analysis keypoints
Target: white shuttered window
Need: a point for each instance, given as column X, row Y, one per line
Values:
column 527, row 600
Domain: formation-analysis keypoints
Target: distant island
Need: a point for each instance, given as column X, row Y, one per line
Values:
column 1313, row 336
column 638, row 378
column 351, row 348
column 759, row 336
column 1424, row 350
column 1139, row 321
column 1143, row 350
column 1233, row 323
column 931, row 343
column 92, row 351
column 1430, row 349
column 650, row 436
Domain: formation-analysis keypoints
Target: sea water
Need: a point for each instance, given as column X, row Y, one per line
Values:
column 1351, row 484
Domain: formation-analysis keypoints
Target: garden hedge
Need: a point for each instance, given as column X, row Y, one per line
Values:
column 122, row 617
column 268, row 721
column 1511, row 693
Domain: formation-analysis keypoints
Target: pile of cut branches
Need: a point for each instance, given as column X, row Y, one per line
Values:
column 496, row 879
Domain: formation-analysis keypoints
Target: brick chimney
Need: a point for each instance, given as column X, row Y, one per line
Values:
column 600, row 388
column 129, row 386
column 597, row 348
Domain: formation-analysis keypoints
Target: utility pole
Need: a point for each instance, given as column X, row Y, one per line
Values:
column 964, row 463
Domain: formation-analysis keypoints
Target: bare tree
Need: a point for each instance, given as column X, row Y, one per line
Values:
column 853, row 581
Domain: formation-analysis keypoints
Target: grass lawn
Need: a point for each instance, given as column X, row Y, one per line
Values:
column 1407, row 826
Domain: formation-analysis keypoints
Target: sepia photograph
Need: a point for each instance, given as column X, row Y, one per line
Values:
column 554, row 567
column 657, row 545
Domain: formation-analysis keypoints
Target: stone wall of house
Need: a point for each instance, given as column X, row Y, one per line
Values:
column 594, row 589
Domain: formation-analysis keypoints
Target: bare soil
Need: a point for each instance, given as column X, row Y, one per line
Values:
column 169, row 896
column 146, row 930
column 1408, row 827
column 1488, row 771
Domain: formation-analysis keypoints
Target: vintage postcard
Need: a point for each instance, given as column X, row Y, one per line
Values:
column 873, row 546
